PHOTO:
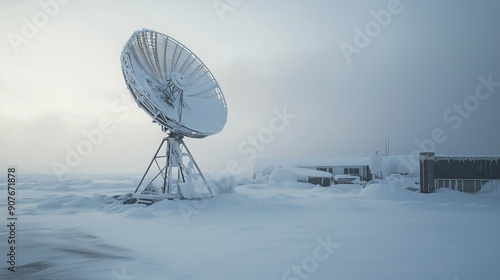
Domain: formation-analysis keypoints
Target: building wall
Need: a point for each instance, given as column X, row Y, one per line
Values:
column 364, row 171
column 466, row 168
column 464, row 173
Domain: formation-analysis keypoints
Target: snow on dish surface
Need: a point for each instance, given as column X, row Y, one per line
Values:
column 172, row 85
column 77, row 229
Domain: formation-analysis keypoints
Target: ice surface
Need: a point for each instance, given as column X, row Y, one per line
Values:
column 80, row 229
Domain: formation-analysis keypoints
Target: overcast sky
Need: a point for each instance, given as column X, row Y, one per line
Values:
column 301, row 79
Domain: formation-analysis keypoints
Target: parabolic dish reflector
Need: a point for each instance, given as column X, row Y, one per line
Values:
column 172, row 85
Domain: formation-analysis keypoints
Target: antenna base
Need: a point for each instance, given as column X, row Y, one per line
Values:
column 181, row 178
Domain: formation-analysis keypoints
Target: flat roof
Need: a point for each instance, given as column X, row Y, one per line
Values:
column 263, row 163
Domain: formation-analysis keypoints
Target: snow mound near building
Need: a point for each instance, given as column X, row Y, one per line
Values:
column 292, row 174
column 384, row 191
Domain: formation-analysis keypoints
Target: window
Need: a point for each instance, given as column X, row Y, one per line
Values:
column 351, row 171
column 326, row 169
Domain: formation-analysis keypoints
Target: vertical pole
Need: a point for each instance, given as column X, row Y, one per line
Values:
column 170, row 162
column 166, row 178
column 196, row 165
column 427, row 184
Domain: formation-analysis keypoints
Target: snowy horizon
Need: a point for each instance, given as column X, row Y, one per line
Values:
column 301, row 79
column 270, row 228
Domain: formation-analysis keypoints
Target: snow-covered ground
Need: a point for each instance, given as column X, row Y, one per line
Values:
column 75, row 229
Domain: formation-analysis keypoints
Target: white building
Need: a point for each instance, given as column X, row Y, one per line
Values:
column 355, row 166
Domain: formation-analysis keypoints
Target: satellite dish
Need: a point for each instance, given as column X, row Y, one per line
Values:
column 173, row 86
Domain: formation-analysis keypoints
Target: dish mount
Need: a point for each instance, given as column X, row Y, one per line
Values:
column 173, row 86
